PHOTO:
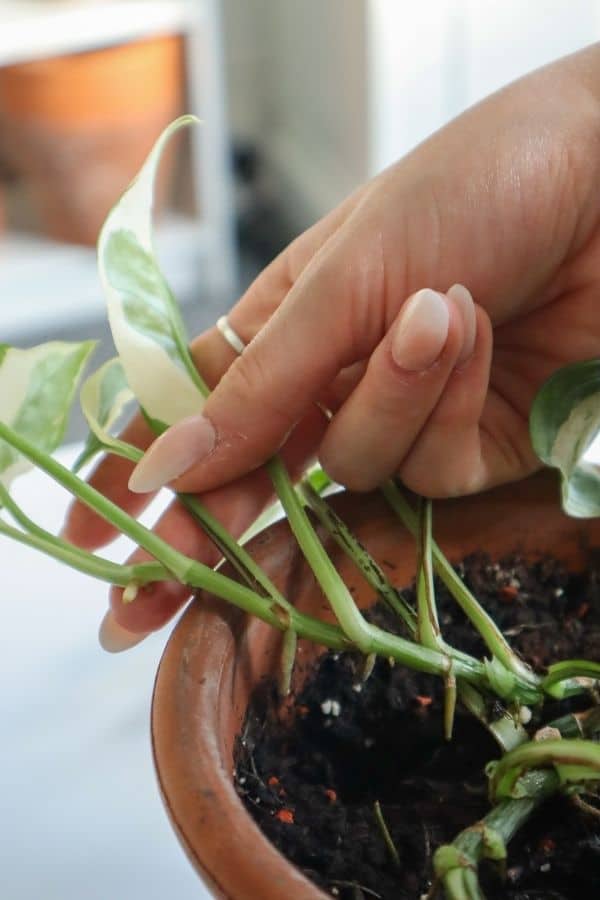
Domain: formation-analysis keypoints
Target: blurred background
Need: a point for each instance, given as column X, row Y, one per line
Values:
column 302, row 100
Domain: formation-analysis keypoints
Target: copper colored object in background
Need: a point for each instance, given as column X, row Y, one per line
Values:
column 77, row 128
column 216, row 656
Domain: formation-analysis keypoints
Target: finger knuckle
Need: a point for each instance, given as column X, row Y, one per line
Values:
column 249, row 381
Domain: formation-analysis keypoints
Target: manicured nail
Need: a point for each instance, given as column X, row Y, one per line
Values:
column 463, row 299
column 422, row 331
column 114, row 638
column 172, row 454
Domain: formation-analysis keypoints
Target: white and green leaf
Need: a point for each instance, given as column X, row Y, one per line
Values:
column 144, row 317
column 37, row 387
column 104, row 397
column 564, row 421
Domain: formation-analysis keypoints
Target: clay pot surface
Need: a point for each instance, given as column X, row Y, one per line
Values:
column 77, row 128
column 216, row 656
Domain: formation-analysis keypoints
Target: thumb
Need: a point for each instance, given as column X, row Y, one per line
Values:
column 328, row 321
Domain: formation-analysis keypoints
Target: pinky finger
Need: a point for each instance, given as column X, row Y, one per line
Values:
column 447, row 458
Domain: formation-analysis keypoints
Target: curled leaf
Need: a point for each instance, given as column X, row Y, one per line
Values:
column 144, row 317
column 569, row 669
column 519, row 772
column 564, row 420
column 37, row 387
column 104, row 396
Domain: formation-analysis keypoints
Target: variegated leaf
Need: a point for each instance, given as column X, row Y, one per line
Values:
column 104, row 397
column 37, row 387
column 564, row 421
column 144, row 317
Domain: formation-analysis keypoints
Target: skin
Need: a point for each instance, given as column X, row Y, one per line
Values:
column 504, row 200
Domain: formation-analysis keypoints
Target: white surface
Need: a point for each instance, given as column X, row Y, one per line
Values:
column 335, row 92
column 44, row 284
column 32, row 30
column 429, row 61
column 81, row 814
column 313, row 87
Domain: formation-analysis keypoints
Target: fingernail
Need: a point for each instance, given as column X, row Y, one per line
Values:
column 172, row 454
column 422, row 331
column 463, row 299
column 114, row 638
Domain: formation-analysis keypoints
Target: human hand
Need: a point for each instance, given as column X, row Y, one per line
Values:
column 503, row 200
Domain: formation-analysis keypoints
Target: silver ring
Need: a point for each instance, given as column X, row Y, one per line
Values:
column 232, row 338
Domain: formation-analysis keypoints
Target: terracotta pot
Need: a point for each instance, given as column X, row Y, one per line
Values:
column 216, row 656
column 78, row 127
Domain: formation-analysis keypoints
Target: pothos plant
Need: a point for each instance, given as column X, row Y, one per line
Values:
column 154, row 368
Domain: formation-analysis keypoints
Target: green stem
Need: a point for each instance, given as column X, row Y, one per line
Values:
column 381, row 643
column 288, row 660
column 456, row 864
column 195, row 574
column 450, row 697
column 367, row 565
column 89, row 563
column 175, row 562
column 122, row 448
column 353, row 623
column 358, row 631
column 485, row 625
column 428, row 628
column 505, row 729
column 355, row 629
column 187, row 570
column 97, row 566
column 234, row 553
column 23, row 520
column 370, row 569
column 582, row 724
column 254, row 576
column 385, row 832
column 570, row 668
column 462, row 884
column 572, row 759
column 367, row 637
column 372, row 639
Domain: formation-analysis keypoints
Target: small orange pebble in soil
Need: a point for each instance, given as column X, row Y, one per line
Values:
column 423, row 700
column 331, row 795
column 508, row 592
column 286, row 816
column 273, row 780
column 547, row 845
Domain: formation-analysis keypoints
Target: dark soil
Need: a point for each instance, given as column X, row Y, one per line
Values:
column 310, row 779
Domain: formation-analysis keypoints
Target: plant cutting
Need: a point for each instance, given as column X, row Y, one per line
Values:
column 538, row 753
